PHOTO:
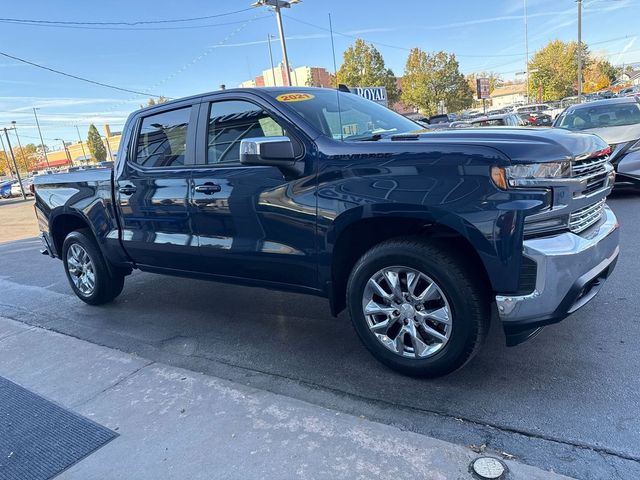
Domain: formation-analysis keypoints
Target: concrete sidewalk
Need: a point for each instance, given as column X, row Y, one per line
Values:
column 174, row 423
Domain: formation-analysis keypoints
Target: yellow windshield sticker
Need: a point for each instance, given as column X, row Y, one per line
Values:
column 350, row 129
column 294, row 97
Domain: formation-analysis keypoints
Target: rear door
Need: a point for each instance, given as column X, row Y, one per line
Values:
column 252, row 222
column 152, row 190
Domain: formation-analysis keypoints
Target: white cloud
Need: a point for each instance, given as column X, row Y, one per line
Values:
column 26, row 103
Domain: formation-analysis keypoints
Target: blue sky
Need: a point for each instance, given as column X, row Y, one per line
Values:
column 486, row 35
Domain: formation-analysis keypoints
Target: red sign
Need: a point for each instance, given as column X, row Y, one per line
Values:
column 482, row 88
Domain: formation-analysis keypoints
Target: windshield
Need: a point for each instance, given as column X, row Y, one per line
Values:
column 600, row 116
column 361, row 119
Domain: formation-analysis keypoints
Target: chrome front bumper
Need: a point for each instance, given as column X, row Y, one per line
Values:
column 570, row 271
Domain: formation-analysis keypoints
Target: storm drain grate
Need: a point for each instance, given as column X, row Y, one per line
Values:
column 39, row 439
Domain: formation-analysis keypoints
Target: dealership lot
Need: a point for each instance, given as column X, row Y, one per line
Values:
column 566, row 400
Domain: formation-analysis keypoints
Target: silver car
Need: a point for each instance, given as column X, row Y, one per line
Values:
column 617, row 122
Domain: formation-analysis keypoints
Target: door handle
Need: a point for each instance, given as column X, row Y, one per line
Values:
column 127, row 190
column 208, row 188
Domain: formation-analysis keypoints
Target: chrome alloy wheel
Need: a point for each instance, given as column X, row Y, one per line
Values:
column 407, row 312
column 81, row 270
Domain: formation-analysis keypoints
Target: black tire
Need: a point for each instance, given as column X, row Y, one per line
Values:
column 109, row 281
column 467, row 299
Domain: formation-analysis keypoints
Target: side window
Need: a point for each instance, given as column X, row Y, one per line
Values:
column 232, row 120
column 163, row 139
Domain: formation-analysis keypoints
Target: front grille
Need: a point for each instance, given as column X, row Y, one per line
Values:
column 593, row 170
column 582, row 219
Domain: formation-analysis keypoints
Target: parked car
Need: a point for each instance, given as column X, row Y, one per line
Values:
column 536, row 119
column 533, row 108
column 617, row 122
column 5, row 189
column 630, row 91
column 505, row 119
column 416, row 233
column 26, row 184
column 105, row 164
column 443, row 118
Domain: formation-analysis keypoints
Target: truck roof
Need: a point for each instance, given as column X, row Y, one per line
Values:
column 258, row 90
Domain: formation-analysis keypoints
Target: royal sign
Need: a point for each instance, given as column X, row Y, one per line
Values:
column 375, row 94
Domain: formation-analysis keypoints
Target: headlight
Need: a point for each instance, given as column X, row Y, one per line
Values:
column 530, row 174
column 635, row 147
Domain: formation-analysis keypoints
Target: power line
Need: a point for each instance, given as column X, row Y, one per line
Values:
column 138, row 22
column 398, row 47
column 108, row 28
column 94, row 82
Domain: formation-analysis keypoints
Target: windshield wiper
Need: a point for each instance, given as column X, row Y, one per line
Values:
column 374, row 137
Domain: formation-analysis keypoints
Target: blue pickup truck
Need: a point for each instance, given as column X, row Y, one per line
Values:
column 422, row 236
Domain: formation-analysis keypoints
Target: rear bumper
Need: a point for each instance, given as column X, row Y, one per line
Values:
column 571, row 269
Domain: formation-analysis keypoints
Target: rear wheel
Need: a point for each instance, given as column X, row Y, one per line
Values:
column 87, row 271
column 417, row 308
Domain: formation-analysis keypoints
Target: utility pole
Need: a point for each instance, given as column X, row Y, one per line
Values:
column 579, row 2
column 526, row 47
column 277, row 5
column 84, row 154
column 15, row 165
column 15, row 130
column 273, row 71
column 106, row 140
column 64, row 147
column 44, row 147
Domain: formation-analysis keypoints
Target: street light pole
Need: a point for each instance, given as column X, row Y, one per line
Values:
column 283, row 44
column 579, row 2
column 526, row 47
column 277, row 5
column 273, row 71
column 44, row 148
column 84, row 154
column 15, row 165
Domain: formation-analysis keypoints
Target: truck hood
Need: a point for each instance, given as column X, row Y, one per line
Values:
column 521, row 145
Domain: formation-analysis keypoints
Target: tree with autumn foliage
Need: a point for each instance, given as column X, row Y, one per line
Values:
column 555, row 69
column 363, row 66
column 5, row 164
column 598, row 76
column 431, row 78
column 26, row 157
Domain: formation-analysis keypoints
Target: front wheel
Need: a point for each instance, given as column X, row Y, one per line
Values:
column 87, row 271
column 417, row 308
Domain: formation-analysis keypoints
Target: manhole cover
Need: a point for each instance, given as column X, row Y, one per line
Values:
column 487, row 467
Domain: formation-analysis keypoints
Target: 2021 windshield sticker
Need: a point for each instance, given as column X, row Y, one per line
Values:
column 294, row 97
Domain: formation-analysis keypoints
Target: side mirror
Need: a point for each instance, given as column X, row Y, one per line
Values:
column 271, row 151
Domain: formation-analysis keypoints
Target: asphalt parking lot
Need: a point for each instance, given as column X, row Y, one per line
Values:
column 566, row 400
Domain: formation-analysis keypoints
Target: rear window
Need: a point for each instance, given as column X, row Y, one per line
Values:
column 489, row 123
column 162, row 141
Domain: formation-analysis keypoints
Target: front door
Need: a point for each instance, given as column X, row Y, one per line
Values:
column 251, row 221
column 153, row 191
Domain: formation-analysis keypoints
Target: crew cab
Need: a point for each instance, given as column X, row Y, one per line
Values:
column 420, row 235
